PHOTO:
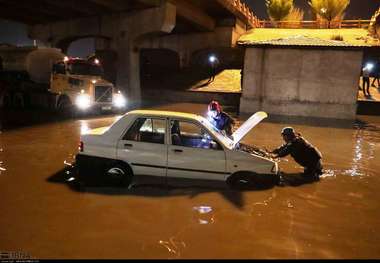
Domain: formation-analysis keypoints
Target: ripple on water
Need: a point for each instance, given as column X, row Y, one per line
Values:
column 174, row 247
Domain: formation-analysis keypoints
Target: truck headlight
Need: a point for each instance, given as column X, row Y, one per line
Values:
column 119, row 100
column 83, row 101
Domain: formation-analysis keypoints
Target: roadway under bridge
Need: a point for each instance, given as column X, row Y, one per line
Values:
column 124, row 29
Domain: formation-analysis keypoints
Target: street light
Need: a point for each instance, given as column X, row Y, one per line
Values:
column 212, row 59
column 369, row 66
column 323, row 10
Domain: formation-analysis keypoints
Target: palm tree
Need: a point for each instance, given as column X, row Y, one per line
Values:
column 279, row 9
column 329, row 9
column 294, row 18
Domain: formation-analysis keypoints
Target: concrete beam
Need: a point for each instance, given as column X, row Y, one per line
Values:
column 151, row 3
column 194, row 15
column 114, row 5
column 35, row 9
column 82, row 7
column 28, row 19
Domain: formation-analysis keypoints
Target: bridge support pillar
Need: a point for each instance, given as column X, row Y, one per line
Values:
column 128, row 71
column 133, row 30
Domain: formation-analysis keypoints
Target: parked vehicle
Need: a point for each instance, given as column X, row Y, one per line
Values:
column 45, row 77
column 145, row 145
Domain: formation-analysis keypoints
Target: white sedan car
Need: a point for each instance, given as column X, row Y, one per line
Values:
column 163, row 146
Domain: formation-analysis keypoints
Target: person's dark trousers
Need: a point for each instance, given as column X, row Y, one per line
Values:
column 378, row 81
column 314, row 171
column 366, row 83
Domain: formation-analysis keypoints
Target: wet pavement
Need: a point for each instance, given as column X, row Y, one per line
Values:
column 373, row 89
column 48, row 216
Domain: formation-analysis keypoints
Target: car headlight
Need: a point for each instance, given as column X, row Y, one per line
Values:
column 83, row 101
column 275, row 168
column 119, row 100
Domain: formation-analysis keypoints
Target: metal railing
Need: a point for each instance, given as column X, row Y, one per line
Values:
column 315, row 24
column 243, row 10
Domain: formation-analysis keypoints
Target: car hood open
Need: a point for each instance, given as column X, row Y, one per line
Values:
column 247, row 126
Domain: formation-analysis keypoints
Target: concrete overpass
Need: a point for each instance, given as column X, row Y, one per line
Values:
column 123, row 28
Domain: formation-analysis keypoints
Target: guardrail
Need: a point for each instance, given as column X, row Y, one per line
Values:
column 242, row 10
column 315, row 24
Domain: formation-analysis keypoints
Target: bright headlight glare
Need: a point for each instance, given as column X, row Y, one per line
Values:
column 119, row 100
column 83, row 101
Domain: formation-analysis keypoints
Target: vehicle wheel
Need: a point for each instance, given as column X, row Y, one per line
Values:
column 7, row 101
column 65, row 107
column 241, row 181
column 121, row 175
column 18, row 101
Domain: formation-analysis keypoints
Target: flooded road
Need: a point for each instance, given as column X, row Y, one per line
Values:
column 337, row 217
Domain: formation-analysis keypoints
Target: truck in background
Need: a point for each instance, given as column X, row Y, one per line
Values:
column 45, row 77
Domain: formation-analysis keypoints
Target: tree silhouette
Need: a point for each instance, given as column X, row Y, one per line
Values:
column 279, row 9
column 329, row 9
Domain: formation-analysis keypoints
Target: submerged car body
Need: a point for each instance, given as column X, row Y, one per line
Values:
column 166, row 145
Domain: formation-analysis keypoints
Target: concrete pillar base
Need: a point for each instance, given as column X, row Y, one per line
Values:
column 296, row 108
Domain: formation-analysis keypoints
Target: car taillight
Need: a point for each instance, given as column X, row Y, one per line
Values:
column 80, row 146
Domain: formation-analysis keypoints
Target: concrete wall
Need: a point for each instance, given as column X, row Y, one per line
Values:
column 224, row 36
column 301, row 82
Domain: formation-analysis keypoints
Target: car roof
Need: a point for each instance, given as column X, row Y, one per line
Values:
column 160, row 113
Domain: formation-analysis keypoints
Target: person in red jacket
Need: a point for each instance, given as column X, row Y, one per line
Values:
column 221, row 120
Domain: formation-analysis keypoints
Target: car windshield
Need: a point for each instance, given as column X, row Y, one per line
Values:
column 218, row 134
column 81, row 68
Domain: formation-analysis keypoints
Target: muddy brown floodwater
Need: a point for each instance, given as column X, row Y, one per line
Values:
column 337, row 217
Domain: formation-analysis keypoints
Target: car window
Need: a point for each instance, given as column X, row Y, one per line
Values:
column 189, row 134
column 147, row 130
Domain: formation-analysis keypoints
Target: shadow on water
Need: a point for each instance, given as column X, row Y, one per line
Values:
column 234, row 196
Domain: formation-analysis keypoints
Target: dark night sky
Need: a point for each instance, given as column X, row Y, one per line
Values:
column 15, row 33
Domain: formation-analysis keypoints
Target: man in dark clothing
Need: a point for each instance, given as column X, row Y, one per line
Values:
column 302, row 152
column 221, row 120
column 376, row 74
column 214, row 63
column 365, row 79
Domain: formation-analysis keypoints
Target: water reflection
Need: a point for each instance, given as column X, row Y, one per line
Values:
column 203, row 209
column 84, row 127
column 2, row 169
column 363, row 152
column 204, row 215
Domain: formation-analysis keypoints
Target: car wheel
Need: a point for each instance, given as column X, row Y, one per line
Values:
column 119, row 174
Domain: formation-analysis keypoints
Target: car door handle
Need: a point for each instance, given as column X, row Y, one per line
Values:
column 177, row 150
column 128, row 145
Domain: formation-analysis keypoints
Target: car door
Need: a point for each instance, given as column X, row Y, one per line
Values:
column 144, row 146
column 191, row 154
